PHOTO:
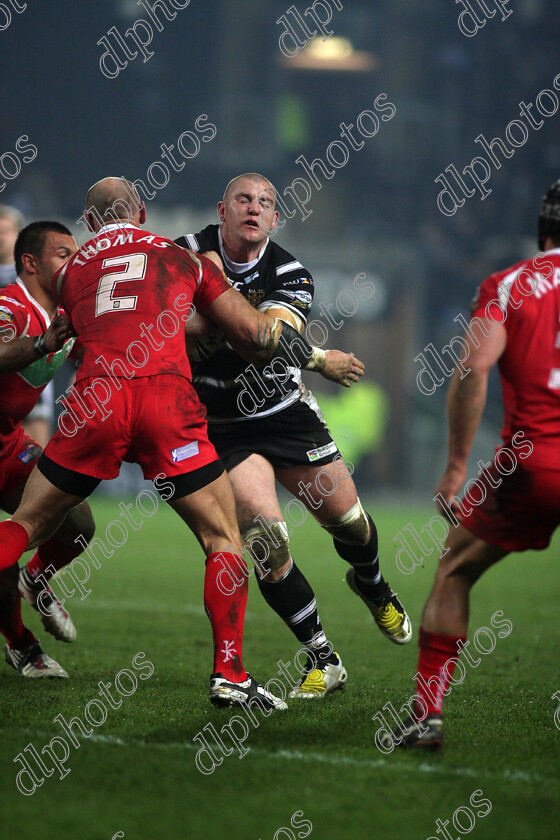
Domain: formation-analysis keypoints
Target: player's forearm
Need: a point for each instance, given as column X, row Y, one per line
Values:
column 255, row 339
column 17, row 354
column 197, row 324
column 465, row 405
column 276, row 339
column 260, row 337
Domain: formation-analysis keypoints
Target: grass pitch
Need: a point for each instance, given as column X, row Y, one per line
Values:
column 137, row 776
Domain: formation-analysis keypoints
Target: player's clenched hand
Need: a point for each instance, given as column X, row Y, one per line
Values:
column 450, row 483
column 58, row 332
column 197, row 324
column 343, row 368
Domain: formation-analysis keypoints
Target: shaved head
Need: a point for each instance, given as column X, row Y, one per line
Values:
column 114, row 199
column 249, row 176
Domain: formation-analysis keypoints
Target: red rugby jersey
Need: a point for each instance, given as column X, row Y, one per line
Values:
column 23, row 316
column 527, row 295
column 128, row 293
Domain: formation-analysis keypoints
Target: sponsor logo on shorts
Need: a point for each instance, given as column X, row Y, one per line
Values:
column 328, row 449
column 183, row 452
column 30, row 454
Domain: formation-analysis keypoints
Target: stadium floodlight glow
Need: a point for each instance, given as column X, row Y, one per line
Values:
column 336, row 53
column 334, row 49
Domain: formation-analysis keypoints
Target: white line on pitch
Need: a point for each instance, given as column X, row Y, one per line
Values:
column 323, row 758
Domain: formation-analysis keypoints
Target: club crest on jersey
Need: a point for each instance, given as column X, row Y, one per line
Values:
column 315, row 454
column 255, row 296
column 183, row 452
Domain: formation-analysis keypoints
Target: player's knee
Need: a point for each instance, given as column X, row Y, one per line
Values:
column 268, row 544
column 79, row 522
column 88, row 524
column 352, row 528
column 459, row 565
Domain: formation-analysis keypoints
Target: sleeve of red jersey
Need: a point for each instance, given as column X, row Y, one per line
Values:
column 211, row 284
column 487, row 293
column 13, row 317
column 57, row 283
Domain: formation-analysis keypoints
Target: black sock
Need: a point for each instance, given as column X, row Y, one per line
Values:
column 365, row 560
column 294, row 601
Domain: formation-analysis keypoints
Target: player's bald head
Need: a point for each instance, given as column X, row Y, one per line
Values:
column 256, row 178
column 114, row 199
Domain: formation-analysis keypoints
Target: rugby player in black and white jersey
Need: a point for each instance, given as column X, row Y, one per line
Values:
column 274, row 430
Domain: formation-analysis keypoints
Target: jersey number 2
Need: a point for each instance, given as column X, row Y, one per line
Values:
column 135, row 269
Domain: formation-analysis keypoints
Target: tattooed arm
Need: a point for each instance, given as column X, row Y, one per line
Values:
column 253, row 334
column 260, row 337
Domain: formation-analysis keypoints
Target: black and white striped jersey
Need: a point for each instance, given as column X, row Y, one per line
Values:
column 275, row 278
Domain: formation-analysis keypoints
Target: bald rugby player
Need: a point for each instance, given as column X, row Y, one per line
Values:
column 142, row 408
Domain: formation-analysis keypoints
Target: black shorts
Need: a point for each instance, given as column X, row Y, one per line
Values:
column 81, row 484
column 296, row 435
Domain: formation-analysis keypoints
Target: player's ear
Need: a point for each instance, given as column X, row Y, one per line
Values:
column 29, row 263
column 89, row 220
column 221, row 211
column 142, row 213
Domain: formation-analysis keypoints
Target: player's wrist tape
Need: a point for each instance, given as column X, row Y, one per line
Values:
column 39, row 346
column 317, row 361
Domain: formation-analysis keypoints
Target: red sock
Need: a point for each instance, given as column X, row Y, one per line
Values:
column 52, row 553
column 12, row 627
column 13, row 542
column 226, row 611
column 438, row 656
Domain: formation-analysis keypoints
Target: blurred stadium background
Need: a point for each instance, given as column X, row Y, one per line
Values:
column 377, row 216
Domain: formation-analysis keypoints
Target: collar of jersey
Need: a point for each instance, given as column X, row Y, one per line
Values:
column 34, row 302
column 115, row 225
column 239, row 268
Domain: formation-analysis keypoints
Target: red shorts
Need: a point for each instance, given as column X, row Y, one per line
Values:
column 521, row 513
column 155, row 421
column 20, row 458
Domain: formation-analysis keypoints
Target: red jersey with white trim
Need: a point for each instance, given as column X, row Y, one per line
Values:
column 129, row 293
column 21, row 315
column 527, row 296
